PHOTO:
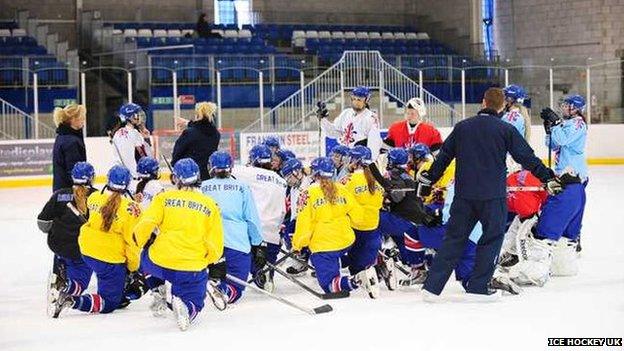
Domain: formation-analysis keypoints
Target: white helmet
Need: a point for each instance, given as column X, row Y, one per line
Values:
column 419, row 105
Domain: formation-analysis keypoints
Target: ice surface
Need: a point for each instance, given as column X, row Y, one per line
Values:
column 590, row 304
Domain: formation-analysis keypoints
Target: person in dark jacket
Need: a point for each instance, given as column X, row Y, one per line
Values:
column 70, row 274
column 480, row 145
column 69, row 146
column 200, row 139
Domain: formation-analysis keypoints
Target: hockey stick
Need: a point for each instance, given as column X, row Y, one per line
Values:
column 326, row 296
column 311, row 311
column 291, row 255
column 509, row 188
column 167, row 162
column 76, row 212
column 267, row 268
column 110, row 140
column 400, row 267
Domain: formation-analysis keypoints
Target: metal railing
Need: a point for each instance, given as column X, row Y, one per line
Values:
column 17, row 124
column 355, row 68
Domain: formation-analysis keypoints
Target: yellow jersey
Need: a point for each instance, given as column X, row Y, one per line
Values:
column 116, row 245
column 323, row 226
column 370, row 204
column 443, row 182
column 190, row 233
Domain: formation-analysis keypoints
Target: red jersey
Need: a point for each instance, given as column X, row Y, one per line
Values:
column 525, row 203
column 402, row 135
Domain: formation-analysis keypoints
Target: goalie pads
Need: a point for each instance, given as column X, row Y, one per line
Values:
column 564, row 258
column 535, row 257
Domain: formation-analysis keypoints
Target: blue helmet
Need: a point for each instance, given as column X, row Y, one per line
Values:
column 361, row 92
column 118, row 178
column 187, row 171
column 82, row 173
column 341, row 150
column 220, row 160
column 259, row 154
column 272, row 141
column 515, row 93
column 360, row 154
column 576, row 101
column 323, row 167
column 284, row 154
column 128, row 110
column 419, row 151
column 147, row 167
column 397, row 157
column 290, row 166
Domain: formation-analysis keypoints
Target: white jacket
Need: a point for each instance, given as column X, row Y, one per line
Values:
column 350, row 128
column 127, row 141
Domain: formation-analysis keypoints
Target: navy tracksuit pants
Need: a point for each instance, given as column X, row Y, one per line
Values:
column 464, row 215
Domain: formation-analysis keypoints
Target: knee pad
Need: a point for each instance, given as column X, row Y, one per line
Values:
column 564, row 261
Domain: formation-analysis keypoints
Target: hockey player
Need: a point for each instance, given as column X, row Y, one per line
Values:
column 63, row 226
column 241, row 224
column 269, row 193
column 340, row 155
column 273, row 143
column 553, row 248
column 369, row 197
column 402, row 212
column 279, row 158
column 148, row 171
column 106, row 245
column 515, row 112
column 356, row 125
column 298, row 184
column 324, row 226
column 414, row 129
column 131, row 140
column 190, row 237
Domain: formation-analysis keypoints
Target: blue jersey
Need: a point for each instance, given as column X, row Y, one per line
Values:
column 515, row 118
column 241, row 223
column 568, row 143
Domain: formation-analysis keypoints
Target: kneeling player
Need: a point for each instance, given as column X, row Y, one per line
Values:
column 190, row 238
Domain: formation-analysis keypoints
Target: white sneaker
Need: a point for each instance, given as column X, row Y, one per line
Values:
column 430, row 297
column 368, row 279
column 181, row 313
column 159, row 305
column 493, row 297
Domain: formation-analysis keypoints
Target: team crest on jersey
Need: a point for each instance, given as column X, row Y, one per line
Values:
column 302, row 200
column 133, row 209
column 345, row 179
column 348, row 137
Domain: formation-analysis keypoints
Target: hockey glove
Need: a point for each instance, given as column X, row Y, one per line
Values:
column 550, row 118
column 136, row 285
column 554, row 186
column 321, row 110
column 259, row 254
column 433, row 219
column 424, row 184
column 217, row 270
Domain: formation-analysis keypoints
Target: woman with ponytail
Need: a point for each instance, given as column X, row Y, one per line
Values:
column 369, row 197
column 200, row 139
column 106, row 245
column 324, row 225
column 70, row 274
column 69, row 146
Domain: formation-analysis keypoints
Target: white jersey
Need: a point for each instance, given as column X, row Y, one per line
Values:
column 296, row 201
column 269, row 193
column 152, row 188
column 128, row 141
column 350, row 127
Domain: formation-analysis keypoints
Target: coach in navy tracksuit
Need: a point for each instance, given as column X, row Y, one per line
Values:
column 480, row 145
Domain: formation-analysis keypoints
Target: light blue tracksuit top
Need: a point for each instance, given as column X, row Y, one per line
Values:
column 241, row 223
column 568, row 144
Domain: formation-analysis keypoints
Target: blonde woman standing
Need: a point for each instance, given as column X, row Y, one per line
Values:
column 200, row 139
column 69, row 146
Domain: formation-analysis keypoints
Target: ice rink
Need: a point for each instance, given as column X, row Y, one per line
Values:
column 588, row 305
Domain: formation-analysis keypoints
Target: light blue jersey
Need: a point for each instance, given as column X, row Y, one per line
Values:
column 241, row 223
column 477, row 231
column 568, row 143
column 515, row 118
